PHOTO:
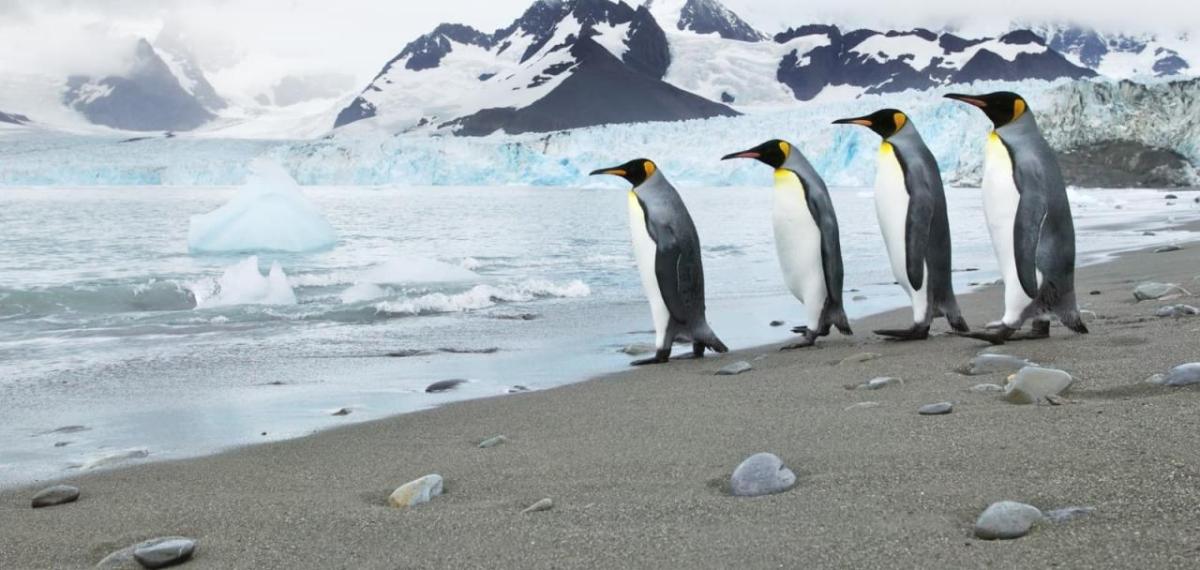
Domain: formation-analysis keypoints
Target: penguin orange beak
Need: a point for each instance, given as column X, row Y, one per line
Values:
column 967, row 99
column 611, row 171
column 743, row 154
column 863, row 121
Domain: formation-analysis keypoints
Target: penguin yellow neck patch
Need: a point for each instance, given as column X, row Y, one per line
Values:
column 786, row 179
column 886, row 148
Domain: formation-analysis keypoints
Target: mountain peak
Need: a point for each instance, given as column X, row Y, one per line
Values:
column 704, row 17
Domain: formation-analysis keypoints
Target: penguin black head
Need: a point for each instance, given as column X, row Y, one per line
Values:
column 635, row 171
column 885, row 123
column 773, row 153
column 1002, row 107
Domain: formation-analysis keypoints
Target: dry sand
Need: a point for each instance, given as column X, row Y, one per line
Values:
column 636, row 462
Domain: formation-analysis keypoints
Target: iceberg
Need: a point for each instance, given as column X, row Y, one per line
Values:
column 242, row 284
column 268, row 214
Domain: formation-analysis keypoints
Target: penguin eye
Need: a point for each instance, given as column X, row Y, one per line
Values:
column 649, row 167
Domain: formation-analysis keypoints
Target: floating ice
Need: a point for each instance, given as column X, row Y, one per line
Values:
column 268, row 214
column 242, row 284
column 401, row 270
column 362, row 292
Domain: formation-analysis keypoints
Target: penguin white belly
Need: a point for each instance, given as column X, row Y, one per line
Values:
column 891, row 206
column 645, row 251
column 1000, row 201
column 798, row 244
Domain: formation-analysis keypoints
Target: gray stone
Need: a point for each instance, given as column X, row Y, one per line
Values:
column 859, row 298
column 416, row 492
column 443, row 386
column 1059, row 516
column 124, row 559
column 56, row 495
column 859, row 357
column 1032, row 384
column 987, row 363
column 1183, row 375
column 1170, row 197
column 638, row 348
column 1152, row 290
column 938, row 409
column 517, row 389
column 493, row 442
column 164, row 552
column 761, row 474
column 777, row 323
column 985, row 388
column 735, row 368
column 1167, row 249
column 342, row 412
column 1006, row 520
column 880, row 382
column 1176, row 311
column 542, row 505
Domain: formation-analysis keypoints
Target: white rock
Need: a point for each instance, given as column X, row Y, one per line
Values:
column 1006, row 520
column 1032, row 384
column 761, row 474
column 862, row 406
column 735, row 368
column 882, row 381
column 542, row 505
column 1151, row 290
column 416, row 492
column 1183, row 375
column 984, row 388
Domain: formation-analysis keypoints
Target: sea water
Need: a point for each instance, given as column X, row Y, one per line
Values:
column 142, row 350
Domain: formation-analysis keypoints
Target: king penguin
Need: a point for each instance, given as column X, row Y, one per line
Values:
column 667, row 249
column 806, row 239
column 1029, row 219
column 911, row 205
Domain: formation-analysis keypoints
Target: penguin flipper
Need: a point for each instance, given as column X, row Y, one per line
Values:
column 820, row 206
column 680, row 275
column 1027, row 231
column 917, row 228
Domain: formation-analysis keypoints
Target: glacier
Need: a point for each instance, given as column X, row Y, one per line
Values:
column 268, row 214
column 1163, row 114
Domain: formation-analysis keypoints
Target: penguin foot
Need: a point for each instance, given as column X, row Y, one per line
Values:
column 996, row 336
column 1030, row 335
column 688, row 356
column 800, row 330
column 917, row 332
column 660, row 357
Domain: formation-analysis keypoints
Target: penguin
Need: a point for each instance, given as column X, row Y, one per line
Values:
column 806, row 239
column 667, row 249
column 911, row 205
column 1029, row 218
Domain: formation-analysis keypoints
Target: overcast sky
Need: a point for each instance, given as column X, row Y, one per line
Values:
column 247, row 45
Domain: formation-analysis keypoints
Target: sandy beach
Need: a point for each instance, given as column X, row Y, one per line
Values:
column 637, row 464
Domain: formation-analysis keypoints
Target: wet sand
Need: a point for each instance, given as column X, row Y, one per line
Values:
column 636, row 463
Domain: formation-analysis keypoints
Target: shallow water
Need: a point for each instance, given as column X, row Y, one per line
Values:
column 107, row 322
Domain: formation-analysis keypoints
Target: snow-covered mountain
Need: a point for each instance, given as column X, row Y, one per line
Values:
column 562, row 64
column 1123, row 56
column 576, row 63
column 153, row 96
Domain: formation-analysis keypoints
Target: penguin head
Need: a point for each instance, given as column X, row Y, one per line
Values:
column 885, row 122
column 773, row 153
column 635, row 171
column 1002, row 107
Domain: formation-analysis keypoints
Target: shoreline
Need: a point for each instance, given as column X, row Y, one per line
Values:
column 635, row 462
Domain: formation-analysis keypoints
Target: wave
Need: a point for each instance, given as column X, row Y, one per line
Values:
column 152, row 295
column 404, row 270
column 483, row 297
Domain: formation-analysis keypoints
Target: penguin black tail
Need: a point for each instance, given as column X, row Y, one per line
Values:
column 836, row 315
column 705, row 335
column 949, row 309
column 1073, row 320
